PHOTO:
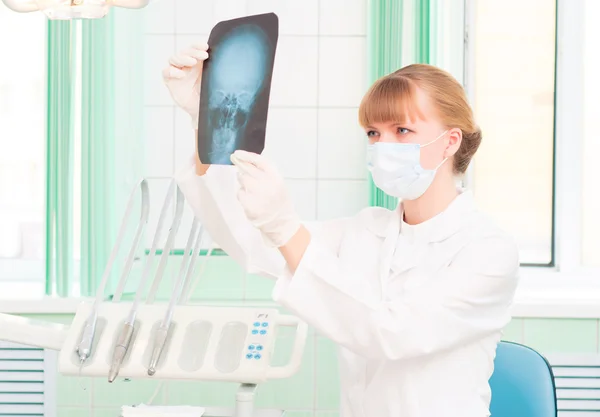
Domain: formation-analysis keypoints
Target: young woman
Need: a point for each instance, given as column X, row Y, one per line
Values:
column 415, row 297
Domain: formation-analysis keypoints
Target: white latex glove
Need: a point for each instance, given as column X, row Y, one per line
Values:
column 264, row 197
column 183, row 76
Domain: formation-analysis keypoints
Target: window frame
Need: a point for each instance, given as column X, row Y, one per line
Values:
column 567, row 226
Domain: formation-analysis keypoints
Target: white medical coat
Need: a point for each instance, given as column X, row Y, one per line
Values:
column 417, row 310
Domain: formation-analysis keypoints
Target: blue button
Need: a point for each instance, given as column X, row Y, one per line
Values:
column 263, row 332
column 265, row 324
column 249, row 356
column 259, row 347
column 257, row 356
column 254, row 331
column 251, row 347
column 256, row 324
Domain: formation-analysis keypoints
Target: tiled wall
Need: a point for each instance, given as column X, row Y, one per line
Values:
column 319, row 78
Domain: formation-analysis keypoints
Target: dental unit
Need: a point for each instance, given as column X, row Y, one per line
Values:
column 166, row 340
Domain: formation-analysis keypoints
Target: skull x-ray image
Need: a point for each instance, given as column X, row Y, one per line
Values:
column 236, row 83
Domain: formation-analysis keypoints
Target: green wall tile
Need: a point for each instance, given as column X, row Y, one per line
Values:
column 513, row 332
column 561, row 335
column 307, row 413
column 205, row 394
column 327, row 414
column 121, row 392
column 73, row 391
column 222, row 279
column 74, row 412
column 296, row 392
column 259, row 288
column 105, row 412
column 328, row 385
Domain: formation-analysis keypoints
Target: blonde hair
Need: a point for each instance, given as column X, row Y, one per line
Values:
column 392, row 98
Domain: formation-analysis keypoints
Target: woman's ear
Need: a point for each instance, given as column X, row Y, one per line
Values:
column 454, row 138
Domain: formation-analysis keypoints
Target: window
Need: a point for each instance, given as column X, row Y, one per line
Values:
column 512, row 84
column 22, row 145
column 591, row 145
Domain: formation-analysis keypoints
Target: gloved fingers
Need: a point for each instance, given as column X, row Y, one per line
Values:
column 240, row 179
column 200, row 46
column 182, row 60
column 245, row 166
column 246, row 156
column 248, row 181
column 172, row 72
column 199, row 54
column 248, row 202
column 255, row 159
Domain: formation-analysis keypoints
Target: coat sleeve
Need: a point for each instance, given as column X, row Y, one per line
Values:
column 468, row 300
column 213, row 199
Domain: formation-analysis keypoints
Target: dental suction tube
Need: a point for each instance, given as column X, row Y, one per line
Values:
column 185, row 271
column 124, row 340
column 84, row 348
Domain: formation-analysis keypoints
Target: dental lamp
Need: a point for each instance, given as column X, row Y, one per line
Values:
column 145, row 339
column 72, row 9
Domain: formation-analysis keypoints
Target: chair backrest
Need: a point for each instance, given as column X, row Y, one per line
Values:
column 522, row 383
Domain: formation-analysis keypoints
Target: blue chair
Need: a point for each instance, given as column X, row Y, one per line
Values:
column 522, row 383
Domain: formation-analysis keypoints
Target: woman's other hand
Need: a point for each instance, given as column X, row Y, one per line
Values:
column 265, row 199
column 183, row 77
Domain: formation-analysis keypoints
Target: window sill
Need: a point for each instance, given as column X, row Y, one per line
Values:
column 542, row 293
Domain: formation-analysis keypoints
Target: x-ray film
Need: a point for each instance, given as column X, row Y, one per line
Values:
column 236, row 83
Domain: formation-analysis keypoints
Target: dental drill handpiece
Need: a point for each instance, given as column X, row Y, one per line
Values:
column 120, row 351
column 120, row 348
column 184, row 272
column 84, row 348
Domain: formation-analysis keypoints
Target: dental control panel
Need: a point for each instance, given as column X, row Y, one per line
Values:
column 233, row 344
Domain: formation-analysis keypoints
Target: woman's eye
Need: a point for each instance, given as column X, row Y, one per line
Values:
column 371, row 133
column 403, row 130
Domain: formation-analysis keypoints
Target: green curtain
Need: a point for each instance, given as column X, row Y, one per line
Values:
column 97, row 148
column 94, row 144
column 403, row 32
column 111, row 113
column 393, row 26
column 59, row 163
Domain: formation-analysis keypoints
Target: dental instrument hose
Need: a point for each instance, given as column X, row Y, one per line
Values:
column 124, row 340
column 84, row 348
column 187, row 266
column 167, row 249
column 190, row 286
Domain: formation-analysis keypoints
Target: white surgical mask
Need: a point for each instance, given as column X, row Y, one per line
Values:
column 396, row 168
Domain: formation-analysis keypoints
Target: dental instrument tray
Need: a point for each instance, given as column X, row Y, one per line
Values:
column 232, row 344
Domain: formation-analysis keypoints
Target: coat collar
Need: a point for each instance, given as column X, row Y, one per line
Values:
column 436, row 229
